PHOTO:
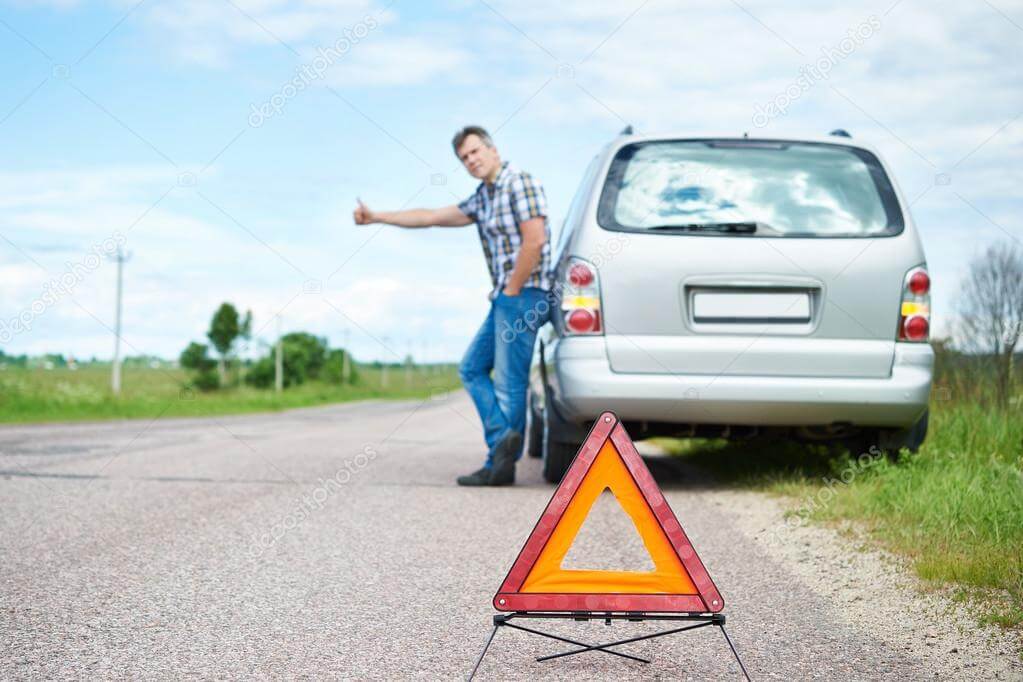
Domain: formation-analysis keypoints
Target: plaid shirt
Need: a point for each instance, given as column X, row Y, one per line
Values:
column 498, row 210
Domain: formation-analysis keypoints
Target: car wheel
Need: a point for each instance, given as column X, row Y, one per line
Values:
column 557, row 453
column 534, row 430
column 913, row 437
column 892, row 441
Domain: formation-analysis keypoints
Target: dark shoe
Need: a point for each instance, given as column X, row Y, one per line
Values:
column 505, row 452
column 481, row 477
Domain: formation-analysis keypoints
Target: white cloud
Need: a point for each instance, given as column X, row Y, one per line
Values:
column 58, row 4
column 402, row 60
column 53, row 187
column 210, row 33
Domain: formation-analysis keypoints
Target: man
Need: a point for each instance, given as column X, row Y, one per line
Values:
column 510, row 212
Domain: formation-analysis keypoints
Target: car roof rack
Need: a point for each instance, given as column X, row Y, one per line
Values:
column 840, row 132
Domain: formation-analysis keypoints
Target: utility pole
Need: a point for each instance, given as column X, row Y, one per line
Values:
column 115, row 377
column 383, row 364
column 279, row 360
column 408, row 363
column 346, row 362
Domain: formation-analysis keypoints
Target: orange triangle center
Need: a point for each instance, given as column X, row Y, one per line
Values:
column 609, row 472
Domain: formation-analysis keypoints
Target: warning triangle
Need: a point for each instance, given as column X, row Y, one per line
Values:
column 608, row 459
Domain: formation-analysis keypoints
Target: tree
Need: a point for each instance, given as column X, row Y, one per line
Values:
column 225, row 329
column 334, row 368
column 304, row 358
column 261, row 373
column 308, row 353
column 245, row 330
column 991, row 311
column 196, row 357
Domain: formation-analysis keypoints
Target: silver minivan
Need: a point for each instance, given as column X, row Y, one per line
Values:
column 730, row 286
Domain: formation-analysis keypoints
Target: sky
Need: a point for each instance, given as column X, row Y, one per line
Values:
column 223, row 143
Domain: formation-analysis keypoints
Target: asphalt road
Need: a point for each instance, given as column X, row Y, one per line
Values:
column 332, row 542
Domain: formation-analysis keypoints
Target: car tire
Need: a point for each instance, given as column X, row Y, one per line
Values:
column 892, row 441
column 534, row 429
column 558, row 449
column 913, row 437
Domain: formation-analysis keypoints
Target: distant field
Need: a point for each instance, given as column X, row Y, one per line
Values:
column 955, row 509
column 38, row 395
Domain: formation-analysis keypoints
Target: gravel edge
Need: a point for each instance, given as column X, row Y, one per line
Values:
column 877, row 592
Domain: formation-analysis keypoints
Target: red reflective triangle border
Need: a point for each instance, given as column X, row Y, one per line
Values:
column 508, row 597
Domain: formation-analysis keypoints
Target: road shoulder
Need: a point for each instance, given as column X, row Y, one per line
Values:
column 877, row 594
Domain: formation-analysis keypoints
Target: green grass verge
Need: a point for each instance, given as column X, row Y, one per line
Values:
column 955, row 509
column 64, row 395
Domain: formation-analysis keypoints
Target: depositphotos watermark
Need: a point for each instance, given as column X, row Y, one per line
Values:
column 823, row 497
column 62, row 286
column 310, row 502
column 539, row 313
column 311, row 72
column 818, row 70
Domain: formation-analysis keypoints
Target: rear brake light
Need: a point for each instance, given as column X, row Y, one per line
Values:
column 582, row 321
column 920, row 283
column 580, row 300
column 915, row 308
column 916, row 328
column 580, row 275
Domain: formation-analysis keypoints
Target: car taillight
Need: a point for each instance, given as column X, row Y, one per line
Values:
column 919, row 282
column 916, row 328
column 582, row 321
column 580, row 275
column 915, row 309
column 580, row 300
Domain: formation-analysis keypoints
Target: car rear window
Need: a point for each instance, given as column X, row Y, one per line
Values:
column 785, row 188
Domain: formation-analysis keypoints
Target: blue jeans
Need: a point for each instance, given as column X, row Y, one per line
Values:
column 504, row 344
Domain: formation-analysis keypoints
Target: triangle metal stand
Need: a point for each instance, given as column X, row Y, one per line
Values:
column 697, row 621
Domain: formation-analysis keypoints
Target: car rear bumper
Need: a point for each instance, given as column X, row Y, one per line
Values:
column 584, row 386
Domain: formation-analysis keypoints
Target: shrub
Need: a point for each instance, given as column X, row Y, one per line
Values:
column 196, row 357
column 304, row 358
column 333, row 369
column 207, row 380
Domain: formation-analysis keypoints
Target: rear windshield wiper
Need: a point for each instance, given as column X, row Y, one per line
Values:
column 732, row 228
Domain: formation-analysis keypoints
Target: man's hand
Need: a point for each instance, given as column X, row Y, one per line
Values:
column 448, row 216
column 362, row 214
column 534, row 235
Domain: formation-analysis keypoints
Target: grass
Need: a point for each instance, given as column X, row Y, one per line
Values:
column 37, row 395
column 955, row 509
